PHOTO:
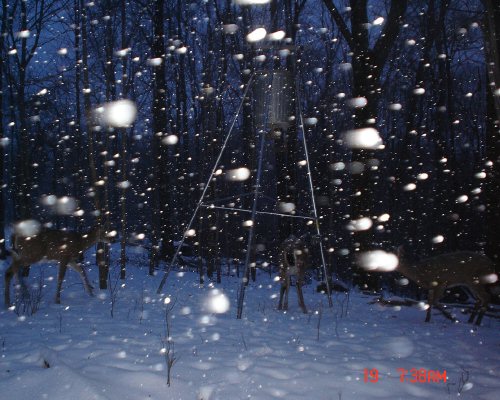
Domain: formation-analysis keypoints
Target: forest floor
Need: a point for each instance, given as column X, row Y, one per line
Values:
column 78, row 350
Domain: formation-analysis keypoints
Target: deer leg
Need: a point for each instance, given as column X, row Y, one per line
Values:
column 300, row 296
column 480, row 316
column 477, row 306
column 286, row 292
column 9, row 273
column 62, row 271
column 26, row 271
column 15, row 271
column 20, row 281
column 285, row 285
column 283, row 288
column 446, row 313
column 434, row 296
column 474, row 312
column 430, row 301
column 81, row 271
column 7, row 279
column 282, row 292
column 483, row 299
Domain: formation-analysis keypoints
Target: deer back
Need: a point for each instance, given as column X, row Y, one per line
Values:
column 458, row 267
column 56, row 245
column 461, row 267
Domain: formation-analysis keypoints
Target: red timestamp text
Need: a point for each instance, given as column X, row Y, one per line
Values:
column 413, row 375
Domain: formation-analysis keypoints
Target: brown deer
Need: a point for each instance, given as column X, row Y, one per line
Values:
column 461, row 268
column 52, row 245
column 294, row 261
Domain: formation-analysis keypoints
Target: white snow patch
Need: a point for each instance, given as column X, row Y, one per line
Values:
column 256, row 35
column 217, row 302
column 251, row 2
column 361, row 224
column 357, row 102
column 395, row 107
column 378, row 260
column 267, row 354
column 285, row 207
column 238, row 174
column 230, row 28
column 27, row 228
column 363, row 138
column 170, row 140
column 438, row 239
column 278, row 35
column 118, row 114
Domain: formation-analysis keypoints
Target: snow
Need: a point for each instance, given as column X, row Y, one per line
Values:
column 251, row 2
column 311, row 121
column 438, row 239
column 286, row 207
column 379, row 260
column 64, row 205
column 395, row 107
column 357, row 102
column 28, row 227
column 23, row 34
column 361, row 224
column 238, row 174
column 120, row 113
column 77, row 350
column 256, row 35
column 170, row 140
column 363, row 138
column 278, row 35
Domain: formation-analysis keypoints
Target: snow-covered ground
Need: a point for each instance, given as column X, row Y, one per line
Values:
column 76, row 350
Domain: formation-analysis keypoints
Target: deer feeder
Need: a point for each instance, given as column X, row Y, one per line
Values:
column 273, row 100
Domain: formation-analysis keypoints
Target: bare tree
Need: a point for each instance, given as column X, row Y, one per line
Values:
column 368, row 62
column 3, row 33
column 492, row 48
column 28, row 20
column 159, row 123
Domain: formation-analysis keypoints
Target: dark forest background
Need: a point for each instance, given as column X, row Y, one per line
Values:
column 428, row 73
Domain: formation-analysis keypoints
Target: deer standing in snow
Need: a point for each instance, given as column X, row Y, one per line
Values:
column 294, row 261
column 52, row 245
column 461, row 268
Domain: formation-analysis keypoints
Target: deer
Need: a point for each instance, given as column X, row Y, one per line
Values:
column 461, row 268
column 294, row 261
column 66, row 247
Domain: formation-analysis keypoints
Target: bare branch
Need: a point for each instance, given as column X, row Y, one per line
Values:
column 334, row 12
column 389, row 33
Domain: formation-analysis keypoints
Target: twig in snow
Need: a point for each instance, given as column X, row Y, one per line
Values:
column 244, row 342
column 168, row 349
column 320, row 315
column 28, row 303
column 113, row 293
column 463, row 383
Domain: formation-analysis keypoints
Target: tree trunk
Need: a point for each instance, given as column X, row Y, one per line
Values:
column 24, row 166
column 159, row 122
column 123, row 197
column 3, row 33
column 492, row 47
column 87, row 105
column 367, row 66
